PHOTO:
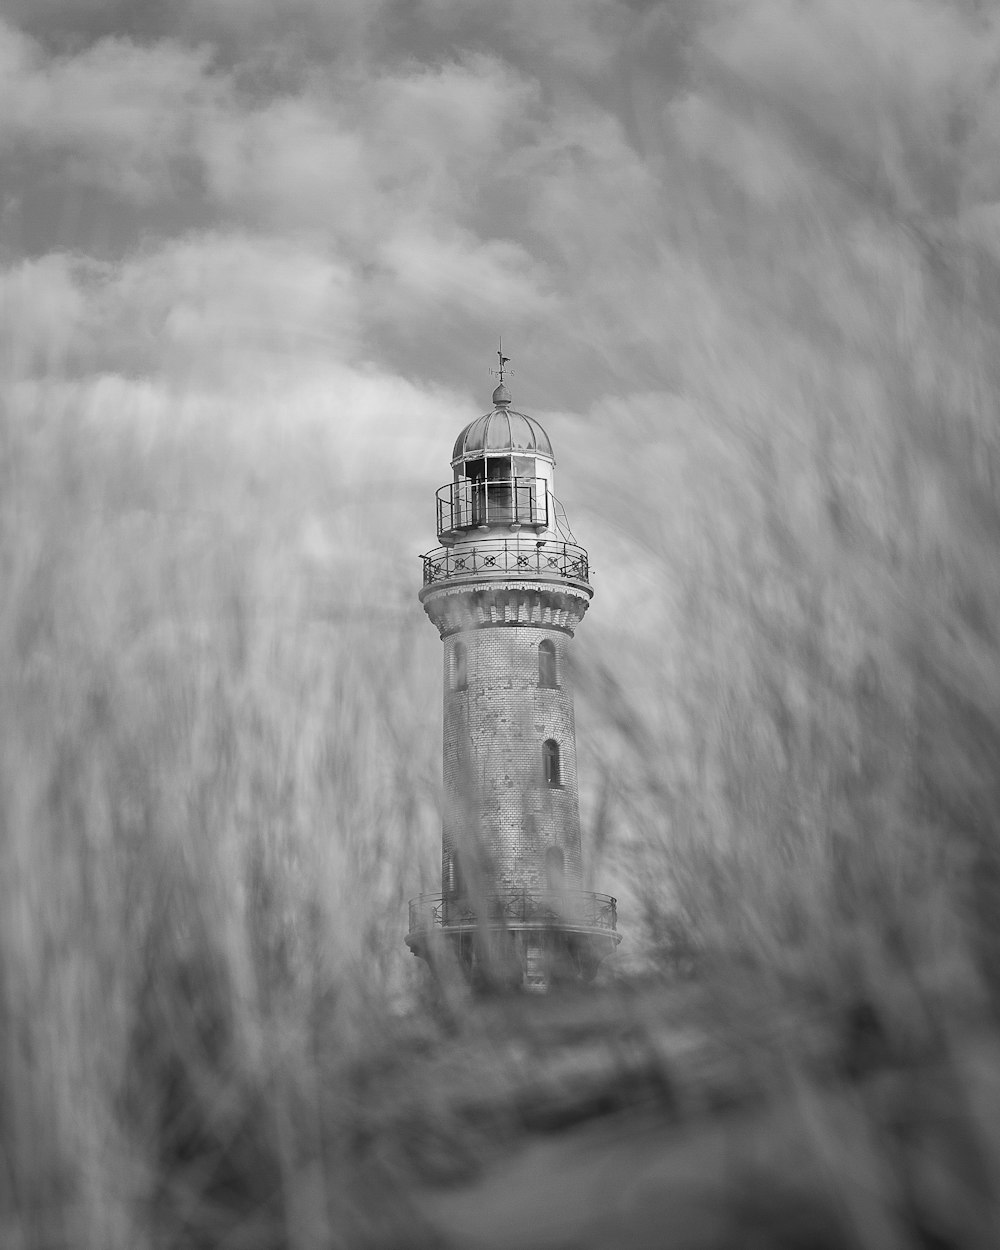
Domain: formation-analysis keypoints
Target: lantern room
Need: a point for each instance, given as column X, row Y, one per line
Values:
column 503, row 467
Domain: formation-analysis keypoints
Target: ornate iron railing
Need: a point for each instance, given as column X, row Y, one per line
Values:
column 499, row 559
column 464, row 504
column 541, row 908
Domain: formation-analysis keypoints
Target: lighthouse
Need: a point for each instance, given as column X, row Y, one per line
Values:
column 507, row 588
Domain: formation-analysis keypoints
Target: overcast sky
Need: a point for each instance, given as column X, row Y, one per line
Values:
column 327, row 210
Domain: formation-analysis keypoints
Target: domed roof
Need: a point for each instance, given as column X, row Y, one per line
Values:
column 502, row 430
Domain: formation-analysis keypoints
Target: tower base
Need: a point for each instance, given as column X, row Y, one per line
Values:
column 528, row 940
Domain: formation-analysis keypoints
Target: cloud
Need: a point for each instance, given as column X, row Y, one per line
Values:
column 361, row 165
column 221, row 310
column 44, row 321
column 460, row 275
column 116, row 115
column 212, row 298
column 349, row 161
column 249, row 338
column 441, row 131
column 882, row 97
column 216, row 306
column 287, row 165
column 463, row 165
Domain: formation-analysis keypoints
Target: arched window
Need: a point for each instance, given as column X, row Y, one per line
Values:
column 555, row 867
column 459, row 667
column 547, row 663
column 550, row 763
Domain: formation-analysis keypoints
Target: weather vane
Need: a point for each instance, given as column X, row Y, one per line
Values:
column 502, row 370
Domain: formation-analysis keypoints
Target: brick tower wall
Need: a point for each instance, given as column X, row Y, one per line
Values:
column 497, row 805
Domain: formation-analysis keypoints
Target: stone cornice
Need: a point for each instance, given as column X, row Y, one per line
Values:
column 492, row 604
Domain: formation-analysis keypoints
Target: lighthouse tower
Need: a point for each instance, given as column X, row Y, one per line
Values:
column 507, row 588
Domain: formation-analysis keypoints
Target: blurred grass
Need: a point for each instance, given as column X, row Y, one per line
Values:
column 214, row 800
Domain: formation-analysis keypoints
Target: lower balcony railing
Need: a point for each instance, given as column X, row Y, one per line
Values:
column 563, row 908
column 497, row 559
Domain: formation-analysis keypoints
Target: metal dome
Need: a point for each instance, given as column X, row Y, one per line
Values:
column 502, row 430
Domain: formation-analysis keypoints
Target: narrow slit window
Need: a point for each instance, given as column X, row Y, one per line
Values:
column 459, row 667
column 555, row 867
column 456, row 881
column 550, row 763
column 547, row 663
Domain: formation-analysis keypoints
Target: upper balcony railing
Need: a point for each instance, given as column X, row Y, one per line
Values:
column 468, row 504
column 503, row 558
column 572, row 909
